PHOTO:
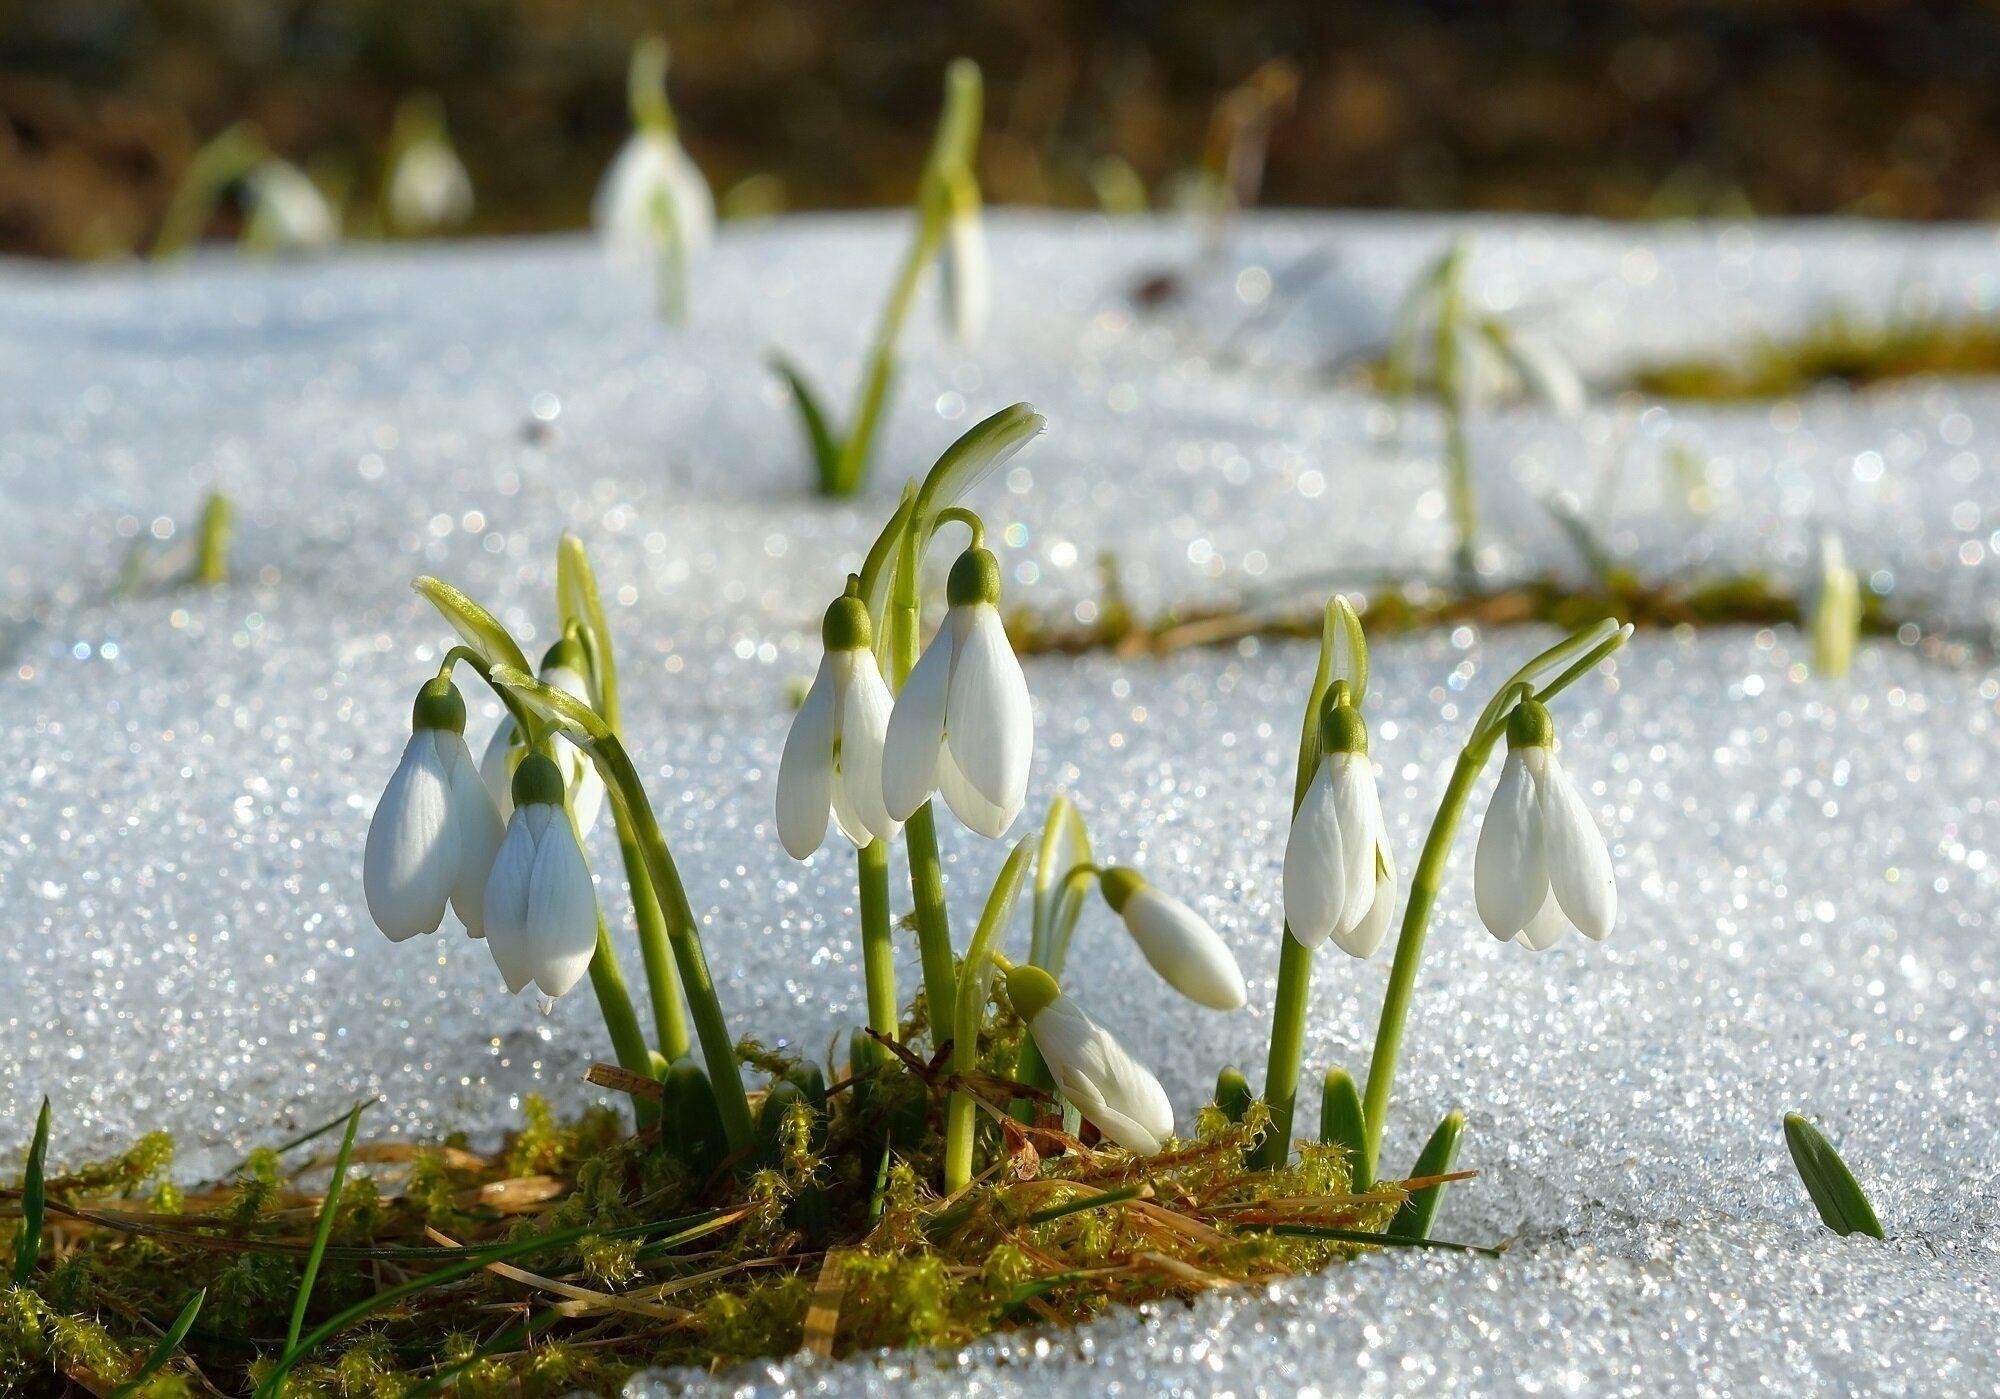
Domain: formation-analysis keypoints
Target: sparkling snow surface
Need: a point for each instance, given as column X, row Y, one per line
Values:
column 1809, row 873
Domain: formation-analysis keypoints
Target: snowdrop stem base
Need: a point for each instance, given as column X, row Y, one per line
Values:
column 663, row 978
column 614, row 1001
column 878, row 953
column 1288, row 1032
column 1410, row 941
column 933, row 921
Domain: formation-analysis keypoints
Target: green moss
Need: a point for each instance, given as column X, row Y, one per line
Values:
column 1839, row 349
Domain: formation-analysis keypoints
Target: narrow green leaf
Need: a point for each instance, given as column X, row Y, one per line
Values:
column 691, row 1120
column 1413, row 1220
column 1362, row 1236
column 480, row 629
column 1341, row 1124
column 34, row 1202
column 211, row 559
column 578, row 601
column 1088, row 1202
column 977, row 454
column 324, row 1233
column 825, row 442
column 1835, row 1193
column 1232, row 1093
column 554, row 706
column 161, row 1353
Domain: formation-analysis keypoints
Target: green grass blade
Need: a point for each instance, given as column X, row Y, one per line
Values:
column 324, row 1233
column 1341, row 1124
column 1413, row 1220
column 1835, row 1193
column 164, row 1351
column 1362, row 1236
column 820, row 435
column 34, row 1202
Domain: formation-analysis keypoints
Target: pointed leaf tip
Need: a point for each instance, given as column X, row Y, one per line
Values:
column 1835, row 1193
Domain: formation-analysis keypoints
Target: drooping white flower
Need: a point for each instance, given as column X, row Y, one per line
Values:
column 287, row 211
column 654, row 195
column 434, row 832
column 563, row 668
column 1091, row 1069
column 962, row 723
column 833, row 755
column 965, row 274
column 1541, row 867
column 1546, row 373
column 1179, row 944
column 541, row 908
column 1340, row 877
column 429, row 188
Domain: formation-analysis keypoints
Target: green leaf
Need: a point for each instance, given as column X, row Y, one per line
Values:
column 1413, row 1220
column 480, row 629
column 558, row 707
column 34, row 1202
column 577, row 600
column 1341, row 1124
column 977, row 454
column 161, row 1353
column 1232, row 1093
column 974, row 981
column 691, row 1120
column 324, row 1233
column 1835, row 1193
column 820, row 435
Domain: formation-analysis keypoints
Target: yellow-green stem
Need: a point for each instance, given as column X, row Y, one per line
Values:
column 878, row 952
column 851, row 467
column 933, row 921
column 614, row 1002
column 1288, row 1033
column 663, row 979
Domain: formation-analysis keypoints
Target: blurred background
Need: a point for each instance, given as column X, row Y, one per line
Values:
column 1612, row 107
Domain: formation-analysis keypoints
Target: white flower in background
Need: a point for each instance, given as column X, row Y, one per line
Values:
column 541, row 908
column 1546, row 373
column 962, row 723
column 429, row 188
column 434, row 832
column 1340, row 878
column 287, row 211
column 833, row 755
column 1179, row 944
column 963, row 268
column 1541, row 867
column 563, row 667
column 1091, row 1069
column 1836, row 611
column 654, row 195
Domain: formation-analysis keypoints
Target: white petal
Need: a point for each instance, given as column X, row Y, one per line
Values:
column 478, row 829
column 915, row 739
column 503, row 754
column 1510, row 877
column 1364, row 937
column 411, row 856
column 1548, row 374
column 562, row 910
column 506, row 901
column 864, row 725
column 1107, row 1085
column 1359, row 812
column 1579, row 865
column 989, row 724
column 967, row 278
column 650, row 166
column 1181, row 946
column 805, row 772
column 1315, row 867
column 1547, row 928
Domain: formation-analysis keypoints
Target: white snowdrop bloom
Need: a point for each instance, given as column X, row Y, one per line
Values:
column 1547, row 373
column 963, row 269
column 1541, row 867
column 962, row 723
column 1091, row 1069
column 833, row 755
column 429, row 188
column 287, row 211
column 562, row 667
column 541, row 908
column 1340, row 877
column 653, row 186
column 434, row 832
column 1179, row 944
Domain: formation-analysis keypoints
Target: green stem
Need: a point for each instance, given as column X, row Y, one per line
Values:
column 1451, row 402
column 933, row 921
column 628, row 1041
column 1410, row 941
column 663, row 979
column 1288, row 1035
column 878, row 952
column 961, row 1113
column 851, row 467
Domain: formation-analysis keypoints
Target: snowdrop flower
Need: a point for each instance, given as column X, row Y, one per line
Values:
column 833, row 755
column 1836, row 612
column 962, row 264
column 1091, row 1069
column 653, row 192
column 1340, row 879
column 1541, row 867
column 962, row 722
column 428, row 184
column 1182, row 948
column 541, row 908
column 434, row 831
column 563, row 667
column 1546, row 373
column 287, row 211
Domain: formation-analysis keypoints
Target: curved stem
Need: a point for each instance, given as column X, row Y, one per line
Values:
column 960, row 515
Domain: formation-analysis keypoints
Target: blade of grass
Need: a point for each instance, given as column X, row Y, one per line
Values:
column 310, row 1135
column 1088, row 1202
column 1413, row 1220
column 164, row 1351
column 324, row 1233
column 1835, row 1193
column 1362, row 1236
column 34, row 1201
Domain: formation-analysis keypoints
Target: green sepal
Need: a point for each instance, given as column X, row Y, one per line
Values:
column 1341, row 1124
column 1413, row 1219
column 1835, row 1193
column 439, row 705
column 1232, row 1093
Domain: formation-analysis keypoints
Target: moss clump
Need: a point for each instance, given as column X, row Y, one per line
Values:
column 1840, row 349
column 827, row 1236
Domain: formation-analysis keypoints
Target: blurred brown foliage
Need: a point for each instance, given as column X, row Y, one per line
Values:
column 1620, row 107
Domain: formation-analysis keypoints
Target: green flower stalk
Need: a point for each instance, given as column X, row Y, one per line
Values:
column 1836, row 612
column 980, row 960
column 947, row 232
